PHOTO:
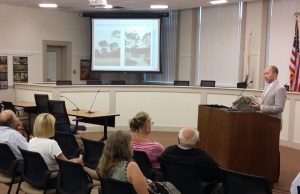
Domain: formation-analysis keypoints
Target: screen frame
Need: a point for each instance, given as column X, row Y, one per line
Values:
column 127, row 15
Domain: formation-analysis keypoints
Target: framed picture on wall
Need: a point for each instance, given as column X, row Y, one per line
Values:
column 20, row 66
column 85, row 71
column 3, row 72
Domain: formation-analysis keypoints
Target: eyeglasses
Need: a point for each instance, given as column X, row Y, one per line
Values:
column 150, row 122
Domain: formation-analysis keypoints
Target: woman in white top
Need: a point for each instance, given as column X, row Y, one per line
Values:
column 49, row 149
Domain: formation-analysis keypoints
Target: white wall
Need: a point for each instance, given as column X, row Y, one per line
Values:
column 23, row 30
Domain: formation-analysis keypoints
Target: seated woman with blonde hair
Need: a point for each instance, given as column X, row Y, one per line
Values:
column 43, row 130
column 140, row 126
column 116, row 162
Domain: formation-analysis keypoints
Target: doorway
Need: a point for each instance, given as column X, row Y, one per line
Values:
column 57, row 60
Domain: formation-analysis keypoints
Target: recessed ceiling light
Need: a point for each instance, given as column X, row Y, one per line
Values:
column 48, row 5
column 218, row 2
column 159, row 6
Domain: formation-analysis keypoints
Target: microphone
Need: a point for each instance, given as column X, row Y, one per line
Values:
column 90, row 110
column 77, row 109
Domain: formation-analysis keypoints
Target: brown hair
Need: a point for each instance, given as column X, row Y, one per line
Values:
column 117, row 148
column 138, row 121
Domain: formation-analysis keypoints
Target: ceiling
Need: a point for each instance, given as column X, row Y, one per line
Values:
column 142, row 5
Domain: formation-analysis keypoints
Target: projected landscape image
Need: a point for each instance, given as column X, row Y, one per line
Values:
column 107, row 51
column 125, row 45
column 137, row 48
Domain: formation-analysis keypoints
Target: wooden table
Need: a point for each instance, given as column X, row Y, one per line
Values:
column 97, row 118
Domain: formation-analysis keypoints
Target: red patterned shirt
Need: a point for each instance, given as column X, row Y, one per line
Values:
column 152, row 149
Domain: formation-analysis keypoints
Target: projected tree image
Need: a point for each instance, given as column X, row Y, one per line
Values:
column 137, row 48
column 108, row 51
column 126, row 45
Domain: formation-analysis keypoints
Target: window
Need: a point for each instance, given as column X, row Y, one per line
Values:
column 219, row 49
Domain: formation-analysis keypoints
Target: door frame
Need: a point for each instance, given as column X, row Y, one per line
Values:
column 66, row 57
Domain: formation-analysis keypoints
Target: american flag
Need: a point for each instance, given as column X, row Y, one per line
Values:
column 294, row 62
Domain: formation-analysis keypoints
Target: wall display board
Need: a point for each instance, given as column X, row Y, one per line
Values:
column 3, row 72
column 20, row 66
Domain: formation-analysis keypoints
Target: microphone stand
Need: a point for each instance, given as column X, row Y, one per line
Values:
column 77, row 109
column 90, row 110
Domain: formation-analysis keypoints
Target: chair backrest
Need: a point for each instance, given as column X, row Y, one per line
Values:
column 92, row 152
column 110, row 186
column 141, row 158
column 9, row 106
column 8, row 161
column 35, row 171
column 93, row 82
column 235, row 182
column 41, row 101
column 241, row 85
column 208, row 83
column 72, row 178
column 181, row 83
column 58, row 109
column 63, row 82
column 118, row 82
column 68, row 144
column 184, row 176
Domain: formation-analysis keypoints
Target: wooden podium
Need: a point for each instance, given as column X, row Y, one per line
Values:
column 246, row 142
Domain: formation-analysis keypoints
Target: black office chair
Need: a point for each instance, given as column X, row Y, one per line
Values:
column 113, row 186
column 41, row 101
column 118, row 82
column 36, row 175
column 63, row 82
column 236, row 182
column 68, row 144
column 7, row 105
column 93, row 82
column 92, row 151
column 208, row 83
column 241, row 85
column 72, row 179
column 181, row 83
column 58, row 109
column 185, row 177
column 10, row 167
column 144, row 163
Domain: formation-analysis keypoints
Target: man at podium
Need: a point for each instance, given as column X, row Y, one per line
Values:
column 274, row 95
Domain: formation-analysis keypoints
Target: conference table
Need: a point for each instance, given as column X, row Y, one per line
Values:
column 97, row 118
